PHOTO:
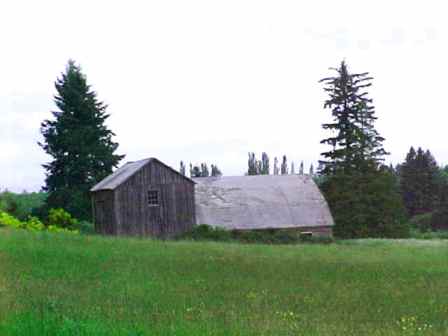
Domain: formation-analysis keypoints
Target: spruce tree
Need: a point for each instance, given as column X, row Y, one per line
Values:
column 362, row 195
column 79, row 143
column 419, row 181
column 293, row 168
column 355, row 142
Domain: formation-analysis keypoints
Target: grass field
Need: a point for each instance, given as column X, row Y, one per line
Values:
column 58, row 284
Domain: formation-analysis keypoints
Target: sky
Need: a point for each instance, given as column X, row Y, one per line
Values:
column 209, row 81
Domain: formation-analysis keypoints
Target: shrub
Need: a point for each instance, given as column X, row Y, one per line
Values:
column 86, row 227
column 31, row 224
column 267, row 236
column 421, row 222
column 206, row 232
column 61, row 218
column 11, row 221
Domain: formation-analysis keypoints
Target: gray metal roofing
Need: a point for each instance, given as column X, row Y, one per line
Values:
column 260, row 202
column 126, row 171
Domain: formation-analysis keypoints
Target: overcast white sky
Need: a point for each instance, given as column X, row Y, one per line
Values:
column 212, row 80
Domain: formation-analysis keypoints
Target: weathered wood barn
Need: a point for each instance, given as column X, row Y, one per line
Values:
column 292, row 202
column 146, row 198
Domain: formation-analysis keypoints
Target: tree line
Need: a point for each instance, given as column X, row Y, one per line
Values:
column 366, row 197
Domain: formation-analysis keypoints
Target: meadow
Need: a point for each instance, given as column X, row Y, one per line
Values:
column 64, row 284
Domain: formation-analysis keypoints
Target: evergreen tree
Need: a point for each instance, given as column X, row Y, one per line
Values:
column 79, row 143
column 362, row 195
column 192, row 172
column 419, row 185
column 301, row 168
column 284, row 166
column 355, row 142
column 366, row 204
column 293, row 169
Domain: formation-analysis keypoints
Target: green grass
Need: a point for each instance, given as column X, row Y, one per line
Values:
column 57, row 284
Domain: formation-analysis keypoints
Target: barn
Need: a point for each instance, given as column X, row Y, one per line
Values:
column 144, row 198
column 263, row 202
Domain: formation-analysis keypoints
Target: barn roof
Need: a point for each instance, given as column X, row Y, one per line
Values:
column 120, row 175
column 260, row 202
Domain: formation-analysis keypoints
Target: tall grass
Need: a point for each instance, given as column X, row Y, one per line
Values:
column 87, row 285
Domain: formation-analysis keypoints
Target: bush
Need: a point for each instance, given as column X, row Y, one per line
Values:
column 421, row 222
column 268, row 236
column 31, row 224
column 61, row 218
column 206, row 232
column 86, row 227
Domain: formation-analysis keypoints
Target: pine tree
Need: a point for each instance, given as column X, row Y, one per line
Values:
column 293, row 168
column 79, row 143
column 356, row 144
column 301, row 168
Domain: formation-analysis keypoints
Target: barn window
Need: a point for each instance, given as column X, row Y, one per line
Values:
column 153, row 197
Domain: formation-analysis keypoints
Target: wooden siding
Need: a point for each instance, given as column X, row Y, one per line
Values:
column 174, row 214
column 103, row 205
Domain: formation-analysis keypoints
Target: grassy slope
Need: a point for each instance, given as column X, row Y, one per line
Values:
column 58, row 284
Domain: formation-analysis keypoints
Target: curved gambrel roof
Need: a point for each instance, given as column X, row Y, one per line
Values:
column 260, row 202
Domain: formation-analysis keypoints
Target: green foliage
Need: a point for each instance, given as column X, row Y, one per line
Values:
column 428, row 235
column 268, row 236
column 419, row 181
column 61, row 218
column 421, row 222
column 21, row 205
column 31, row 224
column 355, row 143
column 439, row 220
column 85, row 227
column 366, row 205
column 79, row 143
column 90, row 285
column 206, row 232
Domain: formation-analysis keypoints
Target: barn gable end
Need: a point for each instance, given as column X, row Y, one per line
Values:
column 149, row 199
